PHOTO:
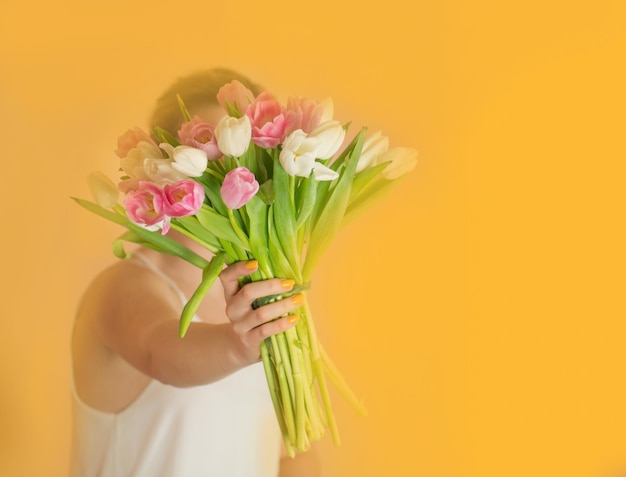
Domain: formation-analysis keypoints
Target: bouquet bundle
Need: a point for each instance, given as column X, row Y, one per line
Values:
column 270, row 182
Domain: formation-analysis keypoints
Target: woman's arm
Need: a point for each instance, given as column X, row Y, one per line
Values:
column 138, row 321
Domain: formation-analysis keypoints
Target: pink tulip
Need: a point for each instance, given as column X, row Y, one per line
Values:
column 238, row 188
column 130, row 139
column 196, row 133
column 303, row 113
column 183, row 198
column 234, row 97
column 269, row 124
column 145, row 206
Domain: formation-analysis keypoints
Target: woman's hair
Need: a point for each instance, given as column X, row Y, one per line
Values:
column 197, row 90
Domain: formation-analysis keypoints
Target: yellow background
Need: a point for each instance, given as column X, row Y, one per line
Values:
column 479, row 309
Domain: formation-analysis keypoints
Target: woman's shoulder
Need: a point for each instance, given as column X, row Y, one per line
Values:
column 127, row 281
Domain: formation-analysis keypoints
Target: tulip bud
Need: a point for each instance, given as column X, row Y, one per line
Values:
column 238, row 188
column 233, row 135
column 103, row 189
column 144, row 206
column 331, row 135
column 403, row 160
column 373, row 146
column 234, row 97
column 189, row 161
column 183, row 198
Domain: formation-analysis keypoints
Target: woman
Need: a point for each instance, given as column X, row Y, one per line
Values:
column 148, row 403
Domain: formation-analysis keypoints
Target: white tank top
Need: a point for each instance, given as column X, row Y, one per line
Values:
column 223, row 429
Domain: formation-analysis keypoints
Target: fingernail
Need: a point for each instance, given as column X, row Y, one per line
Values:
column 252, row 264
column 287, row 284
column 297, row 299
column 293, row 319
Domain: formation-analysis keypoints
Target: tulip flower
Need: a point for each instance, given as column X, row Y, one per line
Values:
column 103, row 189
column 130, row 139
column 196, row 133
column 403, row 160
column 145, row 207
column 331, row 135
column 298, row 157
column 233, row 135
column 182, row 198
column 234, row 97
column 303, row 113
column 269, row 124
column 161, row 171
column 187, row 160
column 373, row 147
column 238, row 188
column 133, row 162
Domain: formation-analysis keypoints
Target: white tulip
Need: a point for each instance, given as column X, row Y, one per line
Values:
column 133, row 163
column 323, row 173
column 233, row 135
column 103, row 189
column 331, row 136
column 161, row 171
column 373, row 147
column 298, row 154
column 402, row 160
column 188, row 160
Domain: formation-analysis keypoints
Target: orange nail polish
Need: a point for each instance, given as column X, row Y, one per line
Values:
column 287, row 284
column 292, row 319
column 297, row 299
column 252, row 264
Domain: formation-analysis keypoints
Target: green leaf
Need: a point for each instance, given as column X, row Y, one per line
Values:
column 284, row 216
column 265, row 165
column 183, row 108
column 305, row 199
column 118, row 247
column 163, row 136
column 209, row 274
column 346, row 152
column 128, row 236
column 364, row 178
column 218, row 225
column 212, row 187
column 266, row 192
column 158, row 242
column 259, row 234
column 248, row 160
column 331, row 216
column 193, row 226
column 280, row 264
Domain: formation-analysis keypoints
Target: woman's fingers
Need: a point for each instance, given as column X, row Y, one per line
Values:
column 251, row 326
column 258, row 334
column 267, row 313
column 242, row 302
column 231, row 274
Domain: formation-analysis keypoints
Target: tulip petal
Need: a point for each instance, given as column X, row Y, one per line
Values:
column 323, row 173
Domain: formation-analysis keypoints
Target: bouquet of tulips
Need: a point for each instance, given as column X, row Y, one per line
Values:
column 268, row 182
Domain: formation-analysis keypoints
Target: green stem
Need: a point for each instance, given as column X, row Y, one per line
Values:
column 188, row 234
column 244, row 239
column 215, row 174
column 340, row 383
column 297, row 369
column 321, row 379
column 283, row 387
column 272, row 381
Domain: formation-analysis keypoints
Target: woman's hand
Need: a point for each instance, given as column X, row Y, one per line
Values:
column 251, row 326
